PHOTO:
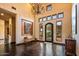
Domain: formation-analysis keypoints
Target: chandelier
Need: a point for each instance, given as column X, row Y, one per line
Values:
column 36, row 8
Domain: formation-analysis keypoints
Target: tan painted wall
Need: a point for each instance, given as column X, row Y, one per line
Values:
column 23, row 11
column 57, row 8
column 1, row 31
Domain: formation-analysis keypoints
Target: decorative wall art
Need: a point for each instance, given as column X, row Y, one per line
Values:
column 27, row 27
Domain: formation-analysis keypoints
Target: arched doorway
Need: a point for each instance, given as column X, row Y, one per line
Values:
column 49, row 32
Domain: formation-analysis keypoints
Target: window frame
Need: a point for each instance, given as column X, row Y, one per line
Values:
column 49, row 16
column 61, row 30
column 49, row 6
column 41, row 20
column 62, row 13
column 54, row 16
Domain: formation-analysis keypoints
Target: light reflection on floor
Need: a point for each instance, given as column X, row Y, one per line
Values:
column 33, row 49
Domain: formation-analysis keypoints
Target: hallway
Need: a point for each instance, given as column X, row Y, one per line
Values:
column 33, row 49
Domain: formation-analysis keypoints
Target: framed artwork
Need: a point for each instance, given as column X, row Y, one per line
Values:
column 59, row 30
column 27, row 27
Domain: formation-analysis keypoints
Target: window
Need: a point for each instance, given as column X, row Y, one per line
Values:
column 59, row 30
column 54, row 16
column 40, row 20
column 74, row 20
column 41, row 31
column 49, row 7
column 49, row 18
column 61, row 15
column 59, row 23
column 44, row 19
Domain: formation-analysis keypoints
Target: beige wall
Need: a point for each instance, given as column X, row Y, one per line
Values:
column 57, row 8
column 23, row 11
column 1, row 31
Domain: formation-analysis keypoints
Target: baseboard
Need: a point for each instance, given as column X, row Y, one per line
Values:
column 52, row 42
column 40, row 41
column 59, row 43
column 13, row 42
column 20, row 44
column 25, row 43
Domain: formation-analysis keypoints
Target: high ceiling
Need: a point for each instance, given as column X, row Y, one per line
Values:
column 36, row 7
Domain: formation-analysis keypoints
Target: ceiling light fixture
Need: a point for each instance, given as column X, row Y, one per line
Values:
column 2, row 14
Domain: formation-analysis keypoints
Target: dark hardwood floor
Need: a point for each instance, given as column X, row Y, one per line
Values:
column 33, row 49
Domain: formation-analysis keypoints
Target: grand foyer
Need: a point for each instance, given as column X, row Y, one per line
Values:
column 35, row 29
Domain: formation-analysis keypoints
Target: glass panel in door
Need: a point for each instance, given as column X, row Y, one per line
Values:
column 49, row 32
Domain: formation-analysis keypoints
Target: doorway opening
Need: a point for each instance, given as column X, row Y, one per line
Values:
column 9, row 26
column 49, row 32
